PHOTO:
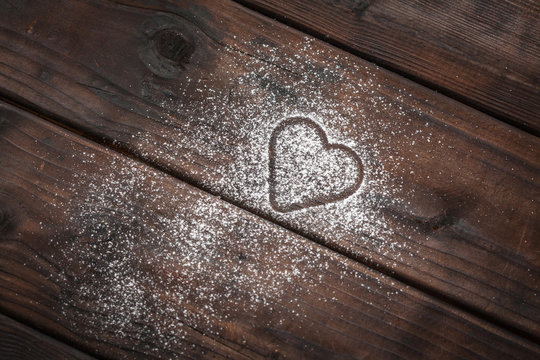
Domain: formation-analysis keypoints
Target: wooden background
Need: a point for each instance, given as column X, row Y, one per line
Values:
column 435, row 257
column 484, row 53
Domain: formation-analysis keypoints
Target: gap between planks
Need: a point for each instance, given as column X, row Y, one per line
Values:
column 19, row 341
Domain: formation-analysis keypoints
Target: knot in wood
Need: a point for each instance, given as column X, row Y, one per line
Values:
column 171, row 45
column 7, row 220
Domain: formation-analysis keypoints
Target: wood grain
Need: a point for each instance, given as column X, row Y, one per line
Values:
column 124, row 261
column 449, row 201
column 484, row 53
column 18, row 342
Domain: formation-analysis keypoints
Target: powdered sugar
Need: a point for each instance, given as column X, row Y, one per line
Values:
column 166, row 255
column 152, row 259
column 223, row 142
column 307, row 171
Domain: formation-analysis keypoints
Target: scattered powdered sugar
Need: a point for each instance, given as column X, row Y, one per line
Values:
column 307, row 171
column 153, row 251
column 223, row 142
column 151, row 259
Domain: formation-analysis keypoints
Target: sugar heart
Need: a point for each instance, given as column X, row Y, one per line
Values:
column 306, row 171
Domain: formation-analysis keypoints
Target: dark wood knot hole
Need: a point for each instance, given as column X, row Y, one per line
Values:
column 173, row 45
column 8, row 221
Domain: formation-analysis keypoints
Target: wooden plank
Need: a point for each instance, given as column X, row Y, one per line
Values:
column 18, row 342
column 484, row 53
column 448, row 200
column 125, row 261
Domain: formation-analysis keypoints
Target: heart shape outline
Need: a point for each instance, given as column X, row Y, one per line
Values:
column 321, row 200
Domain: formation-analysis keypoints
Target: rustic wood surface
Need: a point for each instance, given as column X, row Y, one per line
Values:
column 123, row 260
column 198, row 88
column 482, row 52
column 18, row 342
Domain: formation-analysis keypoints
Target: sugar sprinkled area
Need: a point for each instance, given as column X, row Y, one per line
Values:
column 156, row 258
column 223, row 139
column 187, row 261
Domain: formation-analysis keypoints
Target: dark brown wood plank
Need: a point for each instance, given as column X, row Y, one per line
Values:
column 18, row 342
column 448, row 200
column 125, row 261
column 485, row 53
